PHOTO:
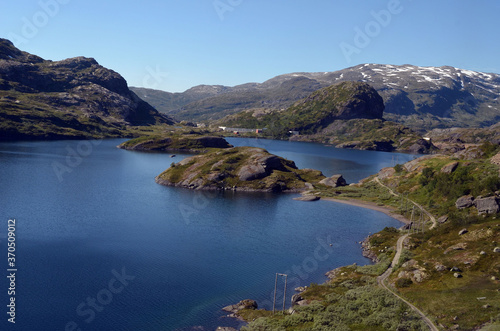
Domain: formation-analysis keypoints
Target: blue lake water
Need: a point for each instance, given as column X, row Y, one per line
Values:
column 101, row 246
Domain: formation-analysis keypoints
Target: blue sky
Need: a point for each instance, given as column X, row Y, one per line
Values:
column 173, row 45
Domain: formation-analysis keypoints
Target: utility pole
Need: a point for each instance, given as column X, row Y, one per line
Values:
column 275, row 288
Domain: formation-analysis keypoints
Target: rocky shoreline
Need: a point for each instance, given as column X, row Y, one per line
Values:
column 365, row 245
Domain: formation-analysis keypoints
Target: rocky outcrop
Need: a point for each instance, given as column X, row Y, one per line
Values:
column 421, row 146
column 487, row 205
column 70, row 98
column 449, row 168
column 259, row 167
column 297, row 299
column 307, row 198
column 243, row 304
column 334, row 181
column 466, row 201
column 239, row 169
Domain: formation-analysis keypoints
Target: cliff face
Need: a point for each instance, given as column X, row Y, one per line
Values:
column 239, row 169
column 71, row 98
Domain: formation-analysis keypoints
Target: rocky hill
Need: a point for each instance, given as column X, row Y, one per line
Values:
column 73, row 98
column 239, row 169
column 420, row 97
column 347, row 115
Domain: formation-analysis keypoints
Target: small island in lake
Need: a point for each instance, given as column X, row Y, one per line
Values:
column 239, row 169
column 178, row 143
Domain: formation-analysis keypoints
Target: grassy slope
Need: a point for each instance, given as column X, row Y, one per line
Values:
column 451, row 302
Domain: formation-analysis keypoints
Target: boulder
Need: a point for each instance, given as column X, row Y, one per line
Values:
column 487, row 205
column 457, row 275
column 496, row 250
column 260, row 167
column 296, row 298
column 439, row 267
column 443, row 219
column 251, row 172
column 307, row 198
column 465, row 201
column 462, row 232
column 334, row 181
column 449, row 168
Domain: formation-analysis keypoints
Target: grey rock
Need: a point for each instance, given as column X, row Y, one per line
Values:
column 443, row 219
column 243, row 304
column 457, row 275
column 496, row 250
column 439, row 267
column 296, row 298
column 487, row 205
column 260, row 167
column 334, row 181
column 465, row 201
column 449, row 168
column 455, row 269
column 462, row 232
column 307, row 198
column 309, row 186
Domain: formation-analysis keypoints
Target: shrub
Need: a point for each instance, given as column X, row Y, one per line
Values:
column 403, row 282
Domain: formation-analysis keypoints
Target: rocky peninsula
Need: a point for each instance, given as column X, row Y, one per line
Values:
column 239, row 169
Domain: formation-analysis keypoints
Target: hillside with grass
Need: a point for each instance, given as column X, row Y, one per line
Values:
column 69, row 99
column 449, row 264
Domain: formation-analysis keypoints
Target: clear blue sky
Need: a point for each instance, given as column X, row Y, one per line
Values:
column 173, row 45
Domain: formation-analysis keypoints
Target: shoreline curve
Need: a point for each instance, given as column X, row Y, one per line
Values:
column 389, row 211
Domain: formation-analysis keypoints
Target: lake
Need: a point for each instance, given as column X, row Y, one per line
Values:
column 101, row 246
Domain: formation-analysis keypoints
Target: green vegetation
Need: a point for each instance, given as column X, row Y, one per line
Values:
column 350, row 302
column 453, row 278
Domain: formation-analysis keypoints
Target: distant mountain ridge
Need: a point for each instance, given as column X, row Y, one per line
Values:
column 420, row 97
column 72, row 98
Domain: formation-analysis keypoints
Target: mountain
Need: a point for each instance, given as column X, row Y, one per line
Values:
column 73, row 98
column 347, row 115
column 420, row 97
